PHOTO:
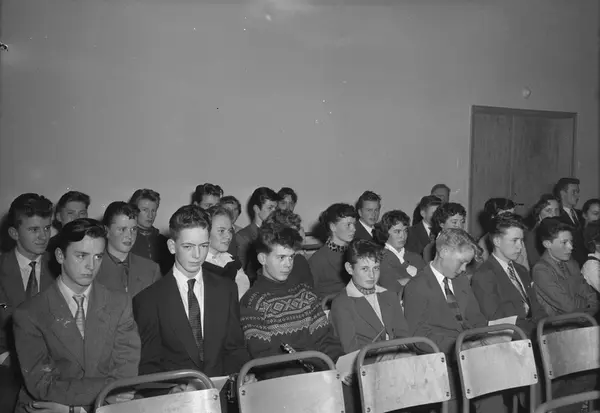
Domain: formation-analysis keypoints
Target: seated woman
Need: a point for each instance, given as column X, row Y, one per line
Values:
column 591, row 211
column 398, row 265
column 218, row 259
column 327, row 263
column 591, row 268
column 364, row 312
column 449, row 215
column 547, row 207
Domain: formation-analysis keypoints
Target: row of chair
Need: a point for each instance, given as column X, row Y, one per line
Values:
column 400, row 383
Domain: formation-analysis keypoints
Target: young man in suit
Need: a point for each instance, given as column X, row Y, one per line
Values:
column 190, row 319
column 567, row 191
column 150, row 243
column 24, row 272
column 368, row 207
column 503, row 287
column 262, row 202
column 207, row 195
column 557, row 280
column 419, row 235
column 439, row 304
column 122, row 270
column 287, row 199
column 76, row 336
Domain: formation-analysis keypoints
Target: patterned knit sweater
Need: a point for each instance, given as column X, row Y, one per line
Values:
column 287, row 312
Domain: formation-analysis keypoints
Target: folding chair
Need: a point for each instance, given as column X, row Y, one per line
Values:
column 496, row 367
column 405, row 382
column 568, row 351
column 569, row 400
column 317, row 392
column 206, row 401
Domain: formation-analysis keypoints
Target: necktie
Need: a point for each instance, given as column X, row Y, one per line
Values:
column 80, row 314
column 195, row 318
column 32, row 284
column 125, row 266
column 512, row 274
column 453, row 304
column 574, row 217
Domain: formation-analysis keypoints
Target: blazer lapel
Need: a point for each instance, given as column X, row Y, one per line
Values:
column 366, row 312
column 505, row 281
column 63, row 325
column 179, row 320
column 423, row 234
column 12, row 281
column 96, row 325
column 386, row 314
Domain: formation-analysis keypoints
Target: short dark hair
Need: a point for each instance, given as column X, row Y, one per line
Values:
column 591, row 236
column 428, row 201
column 563, row 184
column 286, row 191
column 285, row 218
column 588, row 204
column 259, row 197
column 440, row 186
column 206, row 189
column 445, row 211
column 458, row 239
column 186, row 217
column 494, row 205
column 145, row 193
column 272, row 234
column 367, row 196
column 501, row 223
column 72, row 196
column 28, row 205
column 230, row 199
column 362, row 248
column 218, row 210
column 77, row 230
column 389, row 220
column 550, row 228
column 117, row 208
column 542, row 203
column 333, row 214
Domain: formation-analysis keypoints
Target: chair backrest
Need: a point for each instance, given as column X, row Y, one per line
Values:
column 317, row 392
column 403, row 382
column 568, row 401
column 206, row 401
column 496, row 367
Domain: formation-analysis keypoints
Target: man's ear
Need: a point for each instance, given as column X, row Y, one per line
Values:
column 495, row 241
column 349, row 268
column 171, row 246
column 60, row 257
column 422, row 212
column 256, row 209
column 262, row 258
column 13, row 233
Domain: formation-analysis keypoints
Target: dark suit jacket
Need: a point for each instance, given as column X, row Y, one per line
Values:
column 499, row 298
column 167, row 339
column 580, row 252
column 57, row 364
column 142, row 274
column 246, row 252
column 429, row 315
column 417, row 239
column 362, row 233
column 561, row 293
column 356, row 323
column 392, row 273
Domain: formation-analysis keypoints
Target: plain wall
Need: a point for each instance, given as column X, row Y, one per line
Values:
column 333, row 98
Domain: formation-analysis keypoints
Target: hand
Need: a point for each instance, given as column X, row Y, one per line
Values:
column 46, row 407
column 191, row 386
column 120, row 398
column 250, row 378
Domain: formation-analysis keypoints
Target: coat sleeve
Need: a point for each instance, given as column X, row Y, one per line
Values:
column 146, row 316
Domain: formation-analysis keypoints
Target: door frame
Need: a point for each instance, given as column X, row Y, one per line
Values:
column 495, row 110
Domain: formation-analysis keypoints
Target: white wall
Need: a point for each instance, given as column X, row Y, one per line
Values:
column 331, row 99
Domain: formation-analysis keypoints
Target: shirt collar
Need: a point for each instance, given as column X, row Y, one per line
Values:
column 116, row 260
column 353, row 292
column 368, row 228
column 395, row 251
column 220, row 258
column 438, row 275
column 68, row 293
column 502, row 263
column 24, row 261
column 182, row 280
column 427, row 227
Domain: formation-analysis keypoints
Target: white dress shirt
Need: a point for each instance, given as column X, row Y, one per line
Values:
column 241, row 279
column 427, row 228
column 504, row 266
column 412, row 271
column 26, row 268
column 68, row 294
column 182, row 285
column 368, row 228
column 352, row 291
column 440, row 279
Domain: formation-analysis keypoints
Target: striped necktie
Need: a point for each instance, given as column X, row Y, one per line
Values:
column 195, row 318
column 453, row 304
column 32, row 284
column 80, row 314
column 512, row 274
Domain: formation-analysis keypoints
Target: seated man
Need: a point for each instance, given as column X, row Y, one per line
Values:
column 567, row 191
column 76, row 336
column 207, row 195
column 190, row 319
column 439, row 304
column 121, row 269
column 419, row 235
column 150, row 243
column 368, row 207
column 557, row 280
column 262, row 202
column 277, row 311
column 287, row 199
column 502, row 286
column 24, row 272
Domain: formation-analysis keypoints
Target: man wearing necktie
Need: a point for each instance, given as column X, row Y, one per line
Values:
column 567, row 191
column 503, row 287
column 23, row 274
column 76, row 336
column 439, row 304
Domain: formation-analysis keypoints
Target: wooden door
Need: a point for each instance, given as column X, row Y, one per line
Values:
column 517, row 154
